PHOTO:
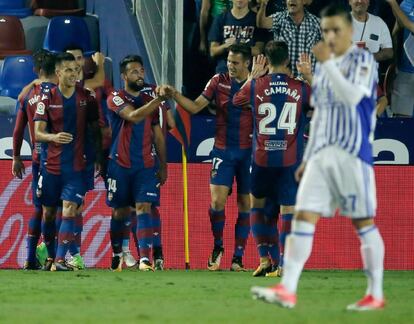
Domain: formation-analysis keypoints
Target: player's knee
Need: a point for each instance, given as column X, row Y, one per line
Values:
column 121, row 213
column 218, row 203
column 243, row 203
column 49, row 214
column 143, row 208
column 70, row 209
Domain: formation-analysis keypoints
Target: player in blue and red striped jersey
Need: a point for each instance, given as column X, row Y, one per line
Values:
column 44, row 62
column 131, row 174
column 61, row 123
column 231, row 154
column 166, row 121
column 278, row 103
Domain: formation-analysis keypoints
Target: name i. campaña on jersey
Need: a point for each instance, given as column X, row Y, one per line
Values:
column 282, row 88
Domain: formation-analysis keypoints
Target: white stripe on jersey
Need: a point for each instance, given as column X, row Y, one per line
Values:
column 335, row 120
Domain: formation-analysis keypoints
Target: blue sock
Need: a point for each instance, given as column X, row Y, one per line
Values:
column 33, row 234
column 217, row 220
column 259, row 230
column 126, row 233
column 144, row 235
column 241, row 233
column 116, row 234
column 65, row 237
column 49, row 237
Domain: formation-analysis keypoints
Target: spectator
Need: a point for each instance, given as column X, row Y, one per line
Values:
column 235, row 26
column 295, row 26
column 210, row 9
column 370, row 31
column 402, row 98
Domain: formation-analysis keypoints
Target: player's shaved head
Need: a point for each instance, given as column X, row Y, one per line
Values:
column 277, row 53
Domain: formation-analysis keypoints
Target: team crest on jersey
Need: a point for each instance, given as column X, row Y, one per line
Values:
column 82, row 103
column 118, row 101
column 40, row 108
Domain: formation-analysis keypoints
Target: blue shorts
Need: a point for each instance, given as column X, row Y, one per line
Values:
column 276, row 183
column 127, row 186
column 230, row 163
column 52, row 189
column 35, row 178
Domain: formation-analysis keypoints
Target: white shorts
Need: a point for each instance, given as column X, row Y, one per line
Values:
column 335, row 179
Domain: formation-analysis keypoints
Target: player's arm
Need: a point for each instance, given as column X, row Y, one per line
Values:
column 402, row 19
column 204, row 13
column 98, row 79
column 188, row 105
column 27, row 88
column 170, row 120
column 261, row 20
column 160, row 148
column 340, row 85
column 133, row 115
column 18, row 168
column 42, row 135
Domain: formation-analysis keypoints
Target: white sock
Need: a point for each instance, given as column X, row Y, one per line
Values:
column 297, row 252
column 372, row 252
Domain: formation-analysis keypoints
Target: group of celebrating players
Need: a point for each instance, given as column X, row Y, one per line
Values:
column 259, row 142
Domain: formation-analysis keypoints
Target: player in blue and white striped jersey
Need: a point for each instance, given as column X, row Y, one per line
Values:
column 337, row 171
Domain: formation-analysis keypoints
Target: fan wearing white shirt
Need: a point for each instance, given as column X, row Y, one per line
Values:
column 371, row 31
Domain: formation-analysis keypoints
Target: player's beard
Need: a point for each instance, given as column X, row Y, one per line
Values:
column 136, row 85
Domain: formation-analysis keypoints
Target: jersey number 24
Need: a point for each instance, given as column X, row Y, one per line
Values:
column 286, row 121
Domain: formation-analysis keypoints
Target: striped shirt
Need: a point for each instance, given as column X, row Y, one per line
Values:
column 344, row 93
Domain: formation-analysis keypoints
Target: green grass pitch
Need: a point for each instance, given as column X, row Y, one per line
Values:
column 99, row 296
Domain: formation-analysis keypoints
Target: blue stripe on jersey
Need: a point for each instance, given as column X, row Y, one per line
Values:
column 137, row 136
column 69, row 126
column 233, row 115
column 365, row 111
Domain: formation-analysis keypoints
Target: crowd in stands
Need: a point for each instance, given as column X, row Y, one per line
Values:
column 381, row 27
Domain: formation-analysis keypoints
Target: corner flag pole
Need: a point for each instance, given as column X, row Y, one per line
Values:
column 185, row 206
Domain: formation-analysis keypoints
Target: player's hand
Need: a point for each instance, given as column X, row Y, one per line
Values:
column 263, row 2
column 63, row 138
column 304, row 65
column 259, row 67
column 299, row 171
column 162, row 174
column 165, row 91
column 98, row 58
column 18, row 168
column 322, row 51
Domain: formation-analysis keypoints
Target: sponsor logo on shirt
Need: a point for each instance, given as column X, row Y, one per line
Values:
column 273, row 145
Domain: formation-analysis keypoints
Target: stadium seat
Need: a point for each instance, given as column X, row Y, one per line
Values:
column 67, row 31
column 12, row 40
column 52, row 8
column 17, row 71
column 14, row 8
column 34, row 31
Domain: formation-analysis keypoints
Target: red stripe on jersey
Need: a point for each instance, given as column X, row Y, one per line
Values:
column 124, row 144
